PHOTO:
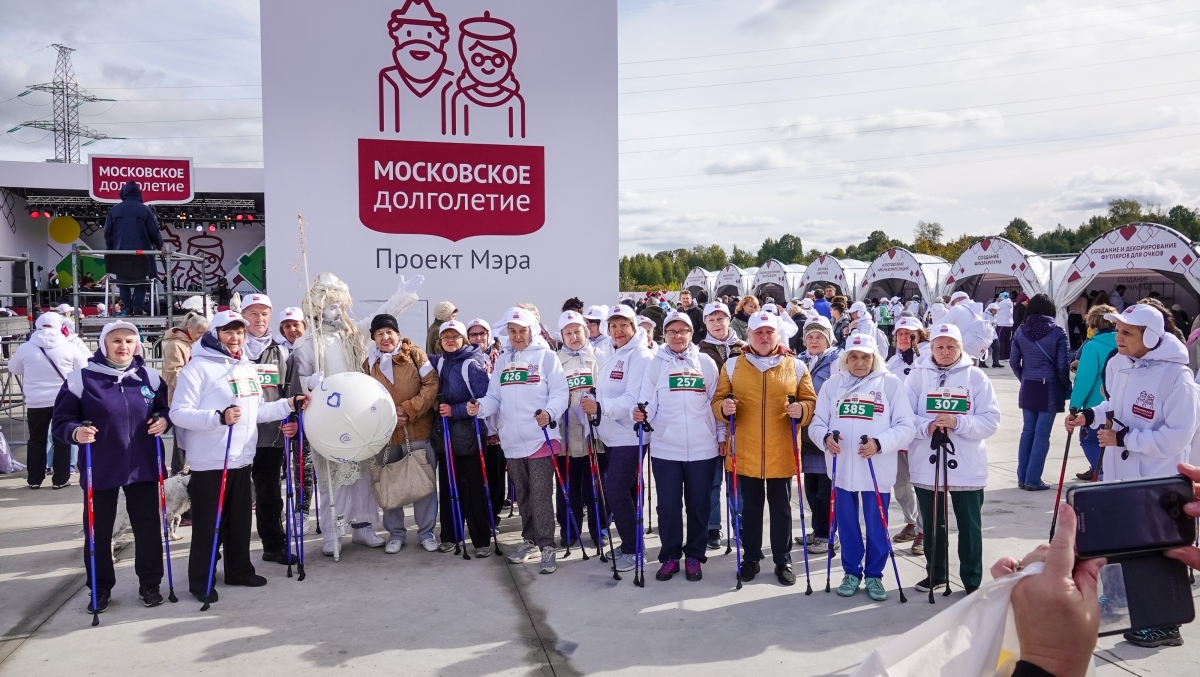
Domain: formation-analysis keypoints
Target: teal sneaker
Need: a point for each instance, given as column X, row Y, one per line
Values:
column 875, row 589
column 849, row 585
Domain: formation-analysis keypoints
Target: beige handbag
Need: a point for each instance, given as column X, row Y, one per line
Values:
column 404, row 482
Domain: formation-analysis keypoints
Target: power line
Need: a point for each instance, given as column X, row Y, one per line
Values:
column 677, row 4
column 898, row 35
column 896, row 67
column 894, row 157
column 925, row 166
column 893, row 129
column 133, row 42
column 894, row 89
column 147, row 122
column 939, row 110
column 928, row 47
column 177, row 87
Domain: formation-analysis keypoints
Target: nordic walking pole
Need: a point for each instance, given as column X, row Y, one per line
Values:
column 1108, row 424
column 639, row 576
column 452, row 481
column 212, row 561
column 728, row 513
column 91, row 528
column 487, row 490
column 837, row 435
column 162, row 501
column 563, row 488
column 299, row 520
column 583, row 504
column 883, row 517
column 650, row 494
column 931, row 561
column 737, row 511
column 1062, row 476
column 594, row 470
column 603, row 498
column 316, row 494
column 800, row 496
column 288, row 502
column 950, row 464
column 565, row 481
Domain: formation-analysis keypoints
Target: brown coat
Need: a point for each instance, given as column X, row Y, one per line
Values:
column 415, row 390
column 177, row 350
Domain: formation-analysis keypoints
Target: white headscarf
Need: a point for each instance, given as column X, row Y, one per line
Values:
column 384, row 360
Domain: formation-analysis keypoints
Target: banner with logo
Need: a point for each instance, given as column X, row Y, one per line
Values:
column 998, row 256
column 163, row 180
column 471, row 142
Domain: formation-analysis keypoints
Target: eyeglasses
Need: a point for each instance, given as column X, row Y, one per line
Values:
column 675, row 333
column 496, row 59
column 477, row 334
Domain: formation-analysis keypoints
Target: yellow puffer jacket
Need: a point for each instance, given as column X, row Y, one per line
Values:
column 764, row 430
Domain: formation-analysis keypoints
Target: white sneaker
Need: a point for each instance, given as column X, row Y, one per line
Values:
column 430, row 544
column 327, row 548
column 548, row 566
column 306, row 524
column 626, row 562
column 367, row 536
column 522, row 552
column 393, row 547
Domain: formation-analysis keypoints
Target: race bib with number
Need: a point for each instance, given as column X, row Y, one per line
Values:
column 854, row 407
column 947, row 401
column 268, row 375
column 515, row 372
column 580, row 379
column 687, row 380
column 244, row 386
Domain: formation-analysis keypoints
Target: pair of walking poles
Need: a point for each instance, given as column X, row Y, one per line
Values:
column 565, row 487
column 456, row 511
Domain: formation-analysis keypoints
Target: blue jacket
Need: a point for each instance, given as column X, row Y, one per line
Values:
column 812, row 457
column 131, row 224
column 453, row 390
column 1041, row 357
column 1089, row 375
column 118, row 404
column 821, row 305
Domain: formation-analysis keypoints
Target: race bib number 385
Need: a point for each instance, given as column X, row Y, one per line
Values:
column 950, row 401
column 853, row 407
column 517, row 372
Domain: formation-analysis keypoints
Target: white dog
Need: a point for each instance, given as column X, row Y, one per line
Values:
column 178, row 502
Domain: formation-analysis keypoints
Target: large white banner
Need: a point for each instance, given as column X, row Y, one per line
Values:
column 471, row 142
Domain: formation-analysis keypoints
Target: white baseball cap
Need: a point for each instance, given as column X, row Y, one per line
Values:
column 1142, row 315
column 255, row 300
column 227, row 317
column 716, row 307
column 858, row 307
column 622, row 310
column 676, row 316
column 569, row 317
column 909, row 323
column 519, row 316
column 480, row 322
column 598, row 313
column 456, row 326
column 646, row 322
column 943, row 329
column 958, row 296
column 771, row 308
column 292, row 313
column 786, row 328
column 993, row 306
column 63, row 309
column 863, row 343
column 806, row 303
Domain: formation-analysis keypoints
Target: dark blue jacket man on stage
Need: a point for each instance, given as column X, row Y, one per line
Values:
column 131, row 225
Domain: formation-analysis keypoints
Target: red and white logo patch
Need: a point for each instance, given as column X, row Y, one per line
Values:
column 1143, row 406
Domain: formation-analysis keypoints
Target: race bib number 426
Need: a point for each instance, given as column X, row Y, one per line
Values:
column 514, row 373
column 947, row 402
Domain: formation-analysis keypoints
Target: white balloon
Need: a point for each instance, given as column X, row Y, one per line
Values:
column 350, row 417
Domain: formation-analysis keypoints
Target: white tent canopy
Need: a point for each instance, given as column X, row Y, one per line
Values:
column 735, row 281
column 777, row 280
column 1142, row 257
column 845, row 274
column 899, row 272
column 700, row 280
column 995, row 264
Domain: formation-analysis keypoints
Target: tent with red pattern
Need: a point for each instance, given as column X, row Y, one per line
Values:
column 1142, row 257
column 735, row 281
column 899, row 272
column 843, row 274
column 994, row 265
column 777, row 280
column 700, row 281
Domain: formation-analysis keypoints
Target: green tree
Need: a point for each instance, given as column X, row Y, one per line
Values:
column 1123, row 211
column 742, row 258
column 927, row 238
column 1018, row 231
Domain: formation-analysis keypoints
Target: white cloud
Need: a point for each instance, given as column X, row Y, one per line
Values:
column 762, row 158
column 634, row 203
column 1092, row 189
column 899, row 121
column 909, row 201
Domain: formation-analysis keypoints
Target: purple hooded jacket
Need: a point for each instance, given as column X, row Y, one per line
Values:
column 118, row 403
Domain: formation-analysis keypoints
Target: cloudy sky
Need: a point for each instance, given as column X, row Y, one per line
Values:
column 740, row 119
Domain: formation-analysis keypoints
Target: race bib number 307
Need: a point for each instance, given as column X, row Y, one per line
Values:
column 953, row 401
column 853, row 407
column 517, row 372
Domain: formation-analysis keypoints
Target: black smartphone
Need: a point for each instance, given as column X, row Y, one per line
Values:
column 1132, row 516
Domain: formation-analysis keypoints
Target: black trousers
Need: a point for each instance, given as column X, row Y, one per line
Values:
column 579, row 476
column 178, row 458
column 205, row 489
column 684, row 487
column 35, row 452
column 776, row 492
column 268, row 499
column 471, row 498
column 493, row 457
column 141, row 500
column 816, row 488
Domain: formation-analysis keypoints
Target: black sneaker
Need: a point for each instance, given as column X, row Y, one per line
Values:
column 923, row 585
column 714, row 539
column 970, row 588
column 251, row 581
column 150, row 595
column 281, row 556
column 61, row 486
column 34, row 486
column 1155, row 637
column 749, row 571
column 785, row 574
column 103, row 596
column 212, row 598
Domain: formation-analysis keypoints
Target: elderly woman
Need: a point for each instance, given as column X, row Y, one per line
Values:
column 177, row 350
column 863, row 410
column 760, row 380
column 821, row 357
column 1040, row 360
column 479, row 334
column 1089, row 379
column 126, row 405
column 746, row 307
column 911, row 343
column 43, row 363
column 405, row 372
column 951, row 397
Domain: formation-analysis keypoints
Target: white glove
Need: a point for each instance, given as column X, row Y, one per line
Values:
column 314, row 381
column 412, row 284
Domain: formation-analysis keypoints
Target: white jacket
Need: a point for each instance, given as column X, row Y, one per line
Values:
column 206, row 385
column 976, row 333
column 1004, row 317
column 617, row 388
column 843, row 405
column 522, row 383
column 678, row 392
column 1154, row 400
column 39, row 381
column 979, row 423
column 580, row 372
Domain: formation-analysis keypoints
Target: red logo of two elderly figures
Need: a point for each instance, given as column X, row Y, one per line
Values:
column 486, row 95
